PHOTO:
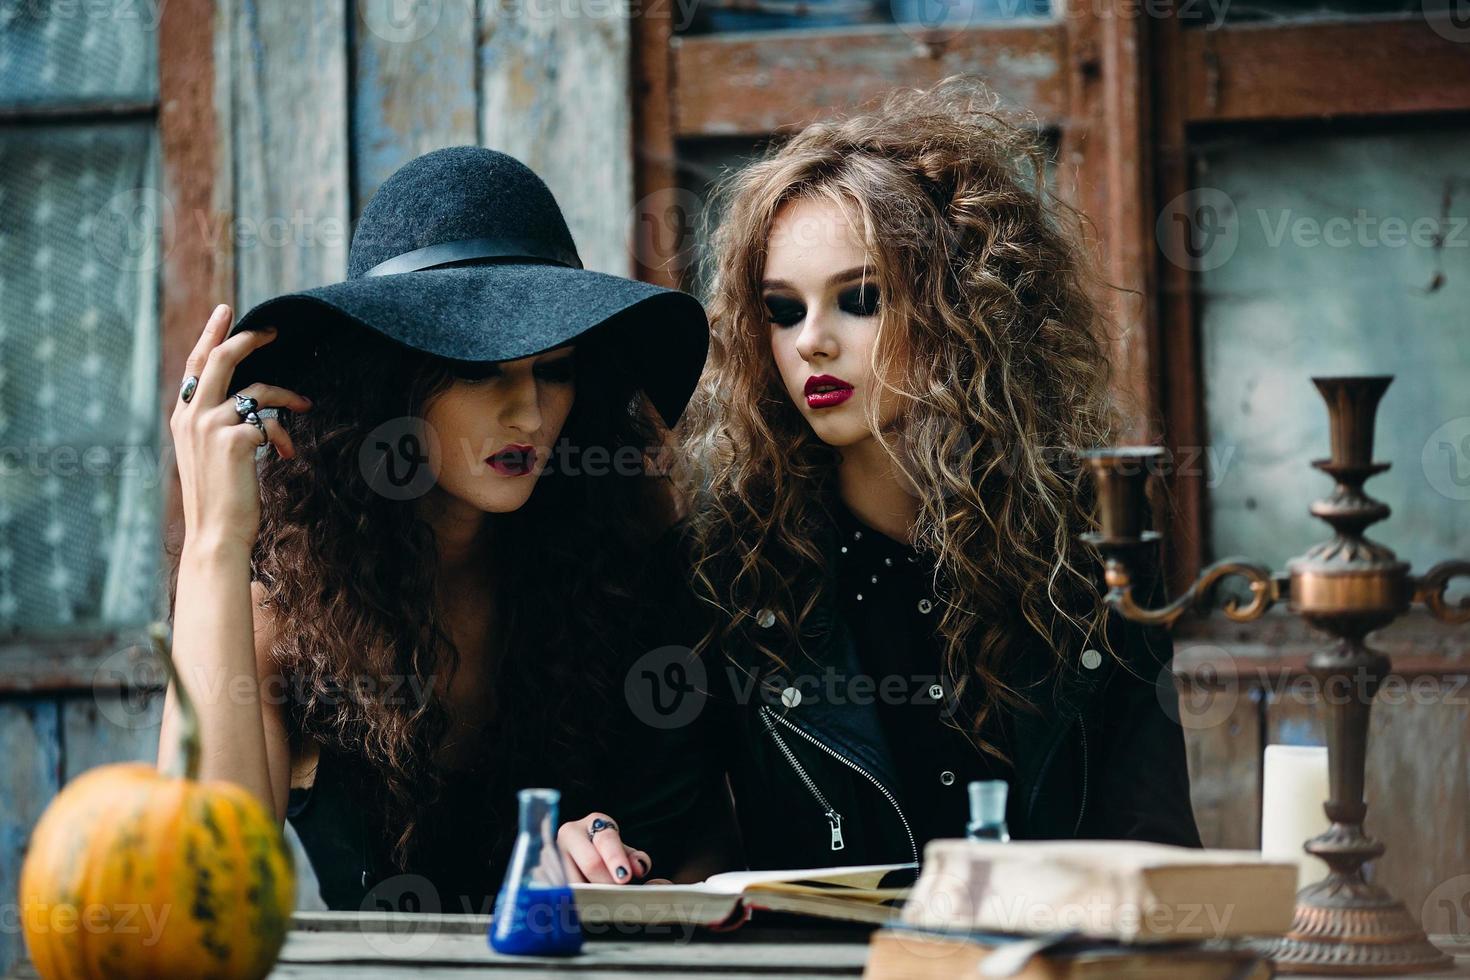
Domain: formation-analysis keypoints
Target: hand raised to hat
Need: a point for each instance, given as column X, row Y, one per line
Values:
column 216, row 435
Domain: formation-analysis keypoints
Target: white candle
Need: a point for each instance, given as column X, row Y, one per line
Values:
column 1292, row 793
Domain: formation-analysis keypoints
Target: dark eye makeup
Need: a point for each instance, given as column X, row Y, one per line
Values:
column 784, row 312
column 857, row 300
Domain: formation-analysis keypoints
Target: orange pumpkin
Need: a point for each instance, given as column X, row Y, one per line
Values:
column 136, row 873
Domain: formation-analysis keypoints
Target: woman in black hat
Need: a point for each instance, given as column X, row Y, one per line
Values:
column 442, row 561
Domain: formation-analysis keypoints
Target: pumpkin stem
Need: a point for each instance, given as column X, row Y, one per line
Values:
column 186, row 764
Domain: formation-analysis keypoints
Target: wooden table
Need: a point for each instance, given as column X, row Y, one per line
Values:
column 319, row 946
column 380, row 946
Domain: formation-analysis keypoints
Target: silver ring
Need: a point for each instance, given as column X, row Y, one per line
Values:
column 244, row 405
column 254, row 420
column 600, row 824
column 187, row 387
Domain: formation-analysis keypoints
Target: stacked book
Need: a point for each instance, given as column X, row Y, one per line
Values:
column 1046, row 910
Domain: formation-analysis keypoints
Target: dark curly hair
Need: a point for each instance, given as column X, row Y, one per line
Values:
column 351, row 576
column 994, row 345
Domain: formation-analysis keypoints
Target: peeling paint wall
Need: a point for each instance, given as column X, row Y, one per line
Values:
column 1336, row 255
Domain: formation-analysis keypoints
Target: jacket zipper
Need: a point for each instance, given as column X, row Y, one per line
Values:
column 1051, row 753
column 767, row 714
column 834, row 819
column 1082, row 730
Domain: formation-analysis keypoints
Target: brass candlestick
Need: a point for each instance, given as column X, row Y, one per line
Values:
column 1348, row 587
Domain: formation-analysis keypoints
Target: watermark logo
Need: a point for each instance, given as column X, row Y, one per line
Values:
column 401, row 21
column 400, row 459
column 666, row 688
column 125, row 686
column 955, row 450
column 1451, row 22
column 1362, row 230
column 134, row 230
column 662, row 229
column 933, row 21
column 1447, row 908
column 1205, row 698
column 1199, row 230
column 143, row 920
column 406, row 935
column 146, row 14
column 1446, row 459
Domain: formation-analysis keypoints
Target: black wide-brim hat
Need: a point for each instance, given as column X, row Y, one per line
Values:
column 464, row 253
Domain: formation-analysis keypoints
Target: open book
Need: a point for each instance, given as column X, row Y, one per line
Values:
column 860, row 893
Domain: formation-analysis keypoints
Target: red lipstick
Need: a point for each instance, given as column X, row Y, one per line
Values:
column 517, row 459
column 824, row 391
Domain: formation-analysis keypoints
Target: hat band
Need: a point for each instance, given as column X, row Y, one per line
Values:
column 474, row 248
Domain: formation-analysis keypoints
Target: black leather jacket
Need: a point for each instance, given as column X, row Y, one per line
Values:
column 814, row 782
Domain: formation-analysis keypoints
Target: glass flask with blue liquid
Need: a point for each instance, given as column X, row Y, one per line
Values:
column 535, row 913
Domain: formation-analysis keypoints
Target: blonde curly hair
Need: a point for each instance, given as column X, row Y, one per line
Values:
column 990, row 337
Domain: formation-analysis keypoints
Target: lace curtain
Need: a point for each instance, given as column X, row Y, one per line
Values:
column 80, row 484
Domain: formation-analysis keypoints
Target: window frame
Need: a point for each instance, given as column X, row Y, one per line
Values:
column 195, row 275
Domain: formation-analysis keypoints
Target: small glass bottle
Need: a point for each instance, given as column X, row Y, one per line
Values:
column 535, row 912
column 988, row 810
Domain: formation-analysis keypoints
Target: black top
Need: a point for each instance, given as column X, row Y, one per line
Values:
column 465, row 843
column 659, row 781
column 657, row 784
column 888, row 600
